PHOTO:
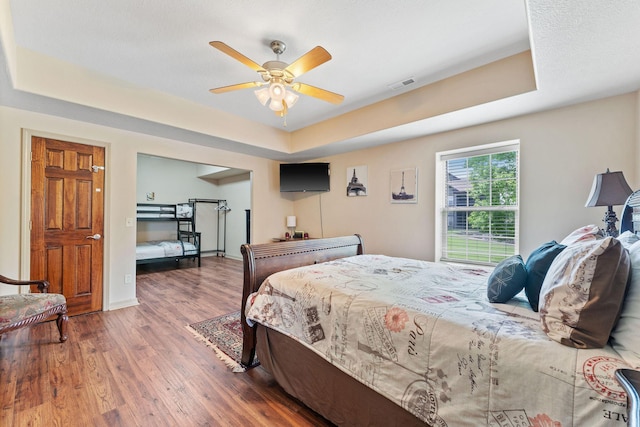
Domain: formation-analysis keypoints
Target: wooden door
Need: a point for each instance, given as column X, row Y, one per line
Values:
column 67, row 220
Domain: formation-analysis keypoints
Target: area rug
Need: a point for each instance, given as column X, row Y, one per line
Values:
column 224, row 335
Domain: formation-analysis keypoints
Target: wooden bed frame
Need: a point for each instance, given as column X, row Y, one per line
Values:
column 262, row 260
column 312, row 380
column 303, row 374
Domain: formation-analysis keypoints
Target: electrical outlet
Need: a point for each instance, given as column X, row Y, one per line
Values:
column 128, row 278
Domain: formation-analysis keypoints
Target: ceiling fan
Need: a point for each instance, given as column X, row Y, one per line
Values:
column 280, row 76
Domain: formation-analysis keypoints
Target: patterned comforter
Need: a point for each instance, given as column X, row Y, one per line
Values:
column 425, row 336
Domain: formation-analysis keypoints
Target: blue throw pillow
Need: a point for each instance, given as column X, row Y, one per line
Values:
column 507, row 279
column 537, row 265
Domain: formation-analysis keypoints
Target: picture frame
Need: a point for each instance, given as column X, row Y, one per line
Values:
column 357, row 181
column 404, row 186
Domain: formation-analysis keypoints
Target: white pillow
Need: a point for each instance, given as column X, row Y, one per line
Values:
column 588, row 232
column 625, row 338
column 628, row 238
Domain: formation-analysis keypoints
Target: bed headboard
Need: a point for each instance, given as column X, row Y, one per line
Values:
column 631, row 214
column 262, row 260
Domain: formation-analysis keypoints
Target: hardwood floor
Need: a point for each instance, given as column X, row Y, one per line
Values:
column 140, row 366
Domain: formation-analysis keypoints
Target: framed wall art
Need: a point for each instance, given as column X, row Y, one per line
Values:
column 356, row 181
column 404, row 185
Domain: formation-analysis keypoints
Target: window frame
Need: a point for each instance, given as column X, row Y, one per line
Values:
column 441, row 195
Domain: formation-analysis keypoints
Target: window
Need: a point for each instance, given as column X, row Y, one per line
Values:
column 477, row 202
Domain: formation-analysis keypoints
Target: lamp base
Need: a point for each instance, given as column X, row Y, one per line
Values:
column 610, row 219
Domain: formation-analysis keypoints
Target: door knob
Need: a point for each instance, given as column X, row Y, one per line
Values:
column 94, row 237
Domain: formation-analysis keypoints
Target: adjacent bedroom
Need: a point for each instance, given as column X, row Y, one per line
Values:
column 186, row 211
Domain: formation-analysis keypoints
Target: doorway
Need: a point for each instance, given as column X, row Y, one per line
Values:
column 163, row 180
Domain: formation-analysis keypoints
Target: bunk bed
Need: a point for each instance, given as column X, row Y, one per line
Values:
column 187, row 242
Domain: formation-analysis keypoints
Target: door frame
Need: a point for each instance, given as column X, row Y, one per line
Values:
column 25, row 206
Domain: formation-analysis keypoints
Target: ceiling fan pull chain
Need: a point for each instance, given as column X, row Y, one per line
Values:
column 284, row 113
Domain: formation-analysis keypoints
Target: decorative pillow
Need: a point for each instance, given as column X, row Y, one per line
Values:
column 628, row 238
column 625, row 338
column 588, row 232
column 582, row 295
column 507, row 279
column 537, row 265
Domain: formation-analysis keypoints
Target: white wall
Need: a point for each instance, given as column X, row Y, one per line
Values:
column 122, row 149
column 172, row 181
column 236, row 190
column 560, row 153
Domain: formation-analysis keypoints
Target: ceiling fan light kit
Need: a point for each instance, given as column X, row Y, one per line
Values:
column 290, row 98
column 276, row 105
column 263, row 95
column 280, row 76
column 276, row 90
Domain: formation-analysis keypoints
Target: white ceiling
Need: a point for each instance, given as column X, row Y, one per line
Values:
column 582, row 50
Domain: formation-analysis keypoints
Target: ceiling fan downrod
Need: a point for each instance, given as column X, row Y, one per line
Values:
column 278, row 47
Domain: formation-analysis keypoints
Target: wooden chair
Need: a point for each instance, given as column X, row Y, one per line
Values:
column 18, row 310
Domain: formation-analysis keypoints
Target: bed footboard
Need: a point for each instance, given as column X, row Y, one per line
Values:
column 262, row 260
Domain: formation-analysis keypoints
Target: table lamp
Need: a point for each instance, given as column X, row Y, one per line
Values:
column 291, row 224
column 609, row 189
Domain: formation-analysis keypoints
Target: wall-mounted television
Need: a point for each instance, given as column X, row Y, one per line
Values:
column 302, row 177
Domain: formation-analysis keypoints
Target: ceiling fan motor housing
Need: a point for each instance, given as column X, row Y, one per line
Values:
column 278, row 47
column 276, row 69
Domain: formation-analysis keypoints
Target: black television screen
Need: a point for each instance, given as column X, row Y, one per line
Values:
column 301, row 177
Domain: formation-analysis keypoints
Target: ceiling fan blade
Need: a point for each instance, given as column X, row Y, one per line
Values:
column 237, row 55
column 236, row 87
column 316, row 92
column 310, row 60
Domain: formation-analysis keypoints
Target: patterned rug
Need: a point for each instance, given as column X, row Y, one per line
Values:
column 224, row 335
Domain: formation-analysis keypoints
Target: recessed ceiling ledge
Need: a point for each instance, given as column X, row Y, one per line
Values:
column 501, row 79
column 47, row 76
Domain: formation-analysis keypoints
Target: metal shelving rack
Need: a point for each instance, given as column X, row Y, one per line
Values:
column 221, row 222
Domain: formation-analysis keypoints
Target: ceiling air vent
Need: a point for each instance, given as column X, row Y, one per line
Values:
column 402, row 83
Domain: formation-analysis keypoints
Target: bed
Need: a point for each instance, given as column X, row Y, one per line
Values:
column 439, row 354
column 169, row 250
column 186, row 245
